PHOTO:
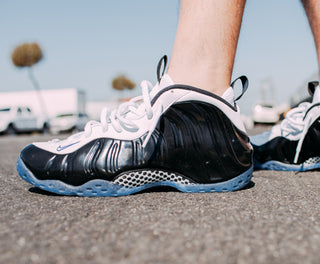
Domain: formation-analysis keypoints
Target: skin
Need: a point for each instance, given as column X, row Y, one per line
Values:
column 205, row 44
column 206, row 41
column 312, row 8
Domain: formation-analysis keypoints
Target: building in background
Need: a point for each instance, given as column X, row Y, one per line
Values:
column 57, row 101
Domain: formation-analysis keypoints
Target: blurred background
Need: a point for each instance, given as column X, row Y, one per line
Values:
column 96, row 53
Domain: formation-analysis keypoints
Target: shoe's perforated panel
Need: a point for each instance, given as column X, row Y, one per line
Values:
column 139, row 178
column 312, row 161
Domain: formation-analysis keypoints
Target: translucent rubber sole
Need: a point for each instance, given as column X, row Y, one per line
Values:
column 308, row 165
column 106, row 188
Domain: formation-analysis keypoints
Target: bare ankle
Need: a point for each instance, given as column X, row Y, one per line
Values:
column 216, row 83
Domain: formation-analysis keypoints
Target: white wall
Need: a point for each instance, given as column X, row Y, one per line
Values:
column 56, row 101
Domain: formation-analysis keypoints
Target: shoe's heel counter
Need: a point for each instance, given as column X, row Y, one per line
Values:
column 311, row 144
column 238, row 144
column 203, row 143
column 234, row 153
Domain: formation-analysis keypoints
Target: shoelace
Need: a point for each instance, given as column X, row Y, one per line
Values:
column 294, row 123
column 123, row 117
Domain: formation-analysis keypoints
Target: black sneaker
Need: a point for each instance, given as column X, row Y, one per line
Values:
column 294, row 144
column 173, row 135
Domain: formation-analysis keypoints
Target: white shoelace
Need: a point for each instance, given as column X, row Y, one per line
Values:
column 296, row 125
column 293, row 123
column 123, row 117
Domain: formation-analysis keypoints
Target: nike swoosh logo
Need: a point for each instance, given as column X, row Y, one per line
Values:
column 60, row 148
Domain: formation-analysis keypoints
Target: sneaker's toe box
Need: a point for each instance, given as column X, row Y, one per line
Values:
column 35, row 159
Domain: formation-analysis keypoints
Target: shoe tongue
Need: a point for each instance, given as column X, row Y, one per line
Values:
column 164, row 82
column 229, row 95
column 316, row 95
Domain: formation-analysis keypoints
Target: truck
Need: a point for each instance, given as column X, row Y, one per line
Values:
column 40, row 106
column 18, row 119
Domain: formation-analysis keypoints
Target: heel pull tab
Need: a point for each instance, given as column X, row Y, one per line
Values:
column 164, row 60
column 312, row 87
column 245, row 82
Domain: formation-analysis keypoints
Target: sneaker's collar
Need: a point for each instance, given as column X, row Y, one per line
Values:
column 166, row 81
column 316, row 95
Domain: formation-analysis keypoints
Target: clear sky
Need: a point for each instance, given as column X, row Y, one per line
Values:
column 87, row 43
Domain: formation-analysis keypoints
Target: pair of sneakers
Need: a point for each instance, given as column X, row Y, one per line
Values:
column 172, row 135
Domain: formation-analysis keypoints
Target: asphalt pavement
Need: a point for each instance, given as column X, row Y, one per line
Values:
column 273, row 220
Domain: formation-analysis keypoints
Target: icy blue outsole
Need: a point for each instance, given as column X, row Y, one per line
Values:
column 280, row 166
column 105, row 188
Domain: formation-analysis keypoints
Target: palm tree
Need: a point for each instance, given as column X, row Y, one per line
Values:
column 25, row 56
column 121, row 82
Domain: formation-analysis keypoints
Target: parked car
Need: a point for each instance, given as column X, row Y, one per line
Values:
column 19, row 119
column 69, row 122
column 265, row 113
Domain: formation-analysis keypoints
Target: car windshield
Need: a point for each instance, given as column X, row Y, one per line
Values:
column 5, row 110
column 65, row 115
column 268, row 106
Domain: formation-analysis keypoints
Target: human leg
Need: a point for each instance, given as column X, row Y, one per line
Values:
column 205, row 43
column 312, row 8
